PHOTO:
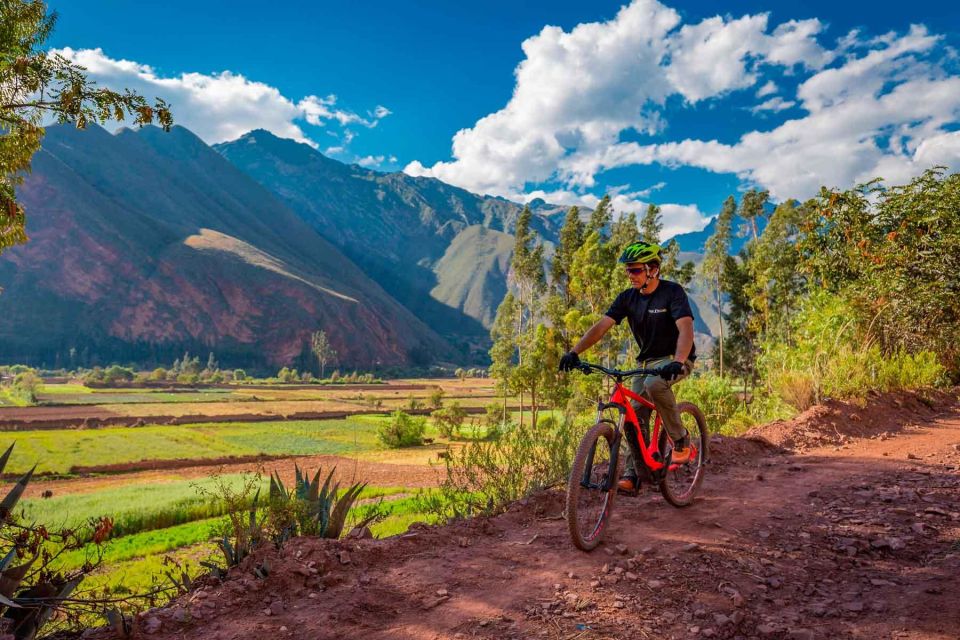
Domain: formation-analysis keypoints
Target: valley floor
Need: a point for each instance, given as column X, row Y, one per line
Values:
column 856, row 541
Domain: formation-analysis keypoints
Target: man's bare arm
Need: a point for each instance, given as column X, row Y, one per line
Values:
column 594, row 333
column 685, row 340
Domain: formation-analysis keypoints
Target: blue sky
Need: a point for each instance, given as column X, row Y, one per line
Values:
column 678, row 103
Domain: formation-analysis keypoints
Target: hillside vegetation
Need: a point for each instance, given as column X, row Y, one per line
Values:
column 849, row 292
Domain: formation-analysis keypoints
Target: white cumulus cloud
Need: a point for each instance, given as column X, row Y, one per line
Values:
column 222, row 106
column 768, row 89
column 371, row 161
column 774, row 104
column 882, row 106
column 574, row 90
column 719, row 55
column 887, row 113
column 577, row 91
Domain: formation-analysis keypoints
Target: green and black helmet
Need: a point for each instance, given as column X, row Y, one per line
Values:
column 641, row 252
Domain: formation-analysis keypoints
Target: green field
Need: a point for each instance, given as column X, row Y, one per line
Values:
column 9, row 400
column 162, row 540
column 145, row 507
column 77, row 394
column 136, row 562
column 59, row 450
column 169, row 515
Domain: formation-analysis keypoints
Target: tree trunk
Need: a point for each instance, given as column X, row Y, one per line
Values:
column 521, row 409
column 720, row 319
column 519, row 326
column 533, row 407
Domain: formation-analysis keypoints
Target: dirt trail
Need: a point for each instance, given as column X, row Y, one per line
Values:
column 854, row 540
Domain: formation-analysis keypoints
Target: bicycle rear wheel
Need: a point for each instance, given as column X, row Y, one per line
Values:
column 589, row 504
column 679, row 485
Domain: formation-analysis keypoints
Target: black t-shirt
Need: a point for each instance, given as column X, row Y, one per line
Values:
column 653, row 318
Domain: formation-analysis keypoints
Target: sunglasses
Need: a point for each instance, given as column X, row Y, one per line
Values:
column 635, row 271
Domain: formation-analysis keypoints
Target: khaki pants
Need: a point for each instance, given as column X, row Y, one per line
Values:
column 659, row 391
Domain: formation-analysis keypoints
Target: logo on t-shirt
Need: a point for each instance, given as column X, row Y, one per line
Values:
column 656, row 310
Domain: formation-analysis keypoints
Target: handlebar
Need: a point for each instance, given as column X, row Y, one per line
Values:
column 587, row 367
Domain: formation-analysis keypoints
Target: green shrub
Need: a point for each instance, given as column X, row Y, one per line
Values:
column 414, row 404
column 436, row 398
column 828, row 356
column 288, row 375
column 495, row 420
column 188, row 378
column 239, row 375
column 26, row 386
column 485, row 476
column 493, row 414
column 910, row 371
column 92, row 375
column 115, row 373
column 158, row 374
column 449, row 420
column 403, row 430
column 727, row 405
column 241, row 530
column 717, row 397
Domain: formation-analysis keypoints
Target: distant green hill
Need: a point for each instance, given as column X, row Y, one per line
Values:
column 472, row 274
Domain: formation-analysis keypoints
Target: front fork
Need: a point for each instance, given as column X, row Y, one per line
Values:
column 611, row 478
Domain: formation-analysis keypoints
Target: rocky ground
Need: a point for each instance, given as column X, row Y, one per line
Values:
column 855, row 533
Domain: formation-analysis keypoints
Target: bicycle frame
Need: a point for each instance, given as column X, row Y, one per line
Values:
column 651, row 455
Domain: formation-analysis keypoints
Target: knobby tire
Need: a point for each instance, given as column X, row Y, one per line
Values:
column 586, row 528
column 692, row 472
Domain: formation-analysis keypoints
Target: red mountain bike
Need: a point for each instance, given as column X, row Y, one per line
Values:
column 597, row 465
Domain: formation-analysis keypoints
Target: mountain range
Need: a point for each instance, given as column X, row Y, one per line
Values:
column 441, row 251
column 146, row 244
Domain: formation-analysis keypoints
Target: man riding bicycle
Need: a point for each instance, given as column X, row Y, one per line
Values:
column 659, row 315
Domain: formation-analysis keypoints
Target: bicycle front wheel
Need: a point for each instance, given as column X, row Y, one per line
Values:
column 680, row 483
column 589, row 500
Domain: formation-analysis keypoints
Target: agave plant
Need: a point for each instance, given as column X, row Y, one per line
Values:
column 309, row 509
column 26, row 604
column 245, row 538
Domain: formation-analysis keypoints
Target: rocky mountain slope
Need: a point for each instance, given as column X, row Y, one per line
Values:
column 440, row 250
column 144, row 244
